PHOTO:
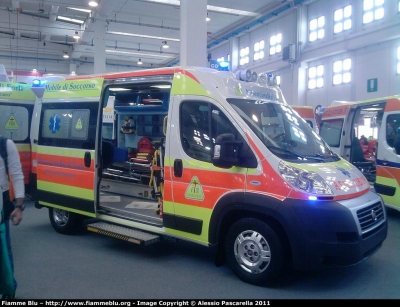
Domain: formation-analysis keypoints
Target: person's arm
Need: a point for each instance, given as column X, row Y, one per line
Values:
column 15, row 169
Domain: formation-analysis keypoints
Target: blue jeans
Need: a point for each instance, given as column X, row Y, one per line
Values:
column 10, row 254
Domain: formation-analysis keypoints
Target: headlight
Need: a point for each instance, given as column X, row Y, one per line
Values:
column 309, row 182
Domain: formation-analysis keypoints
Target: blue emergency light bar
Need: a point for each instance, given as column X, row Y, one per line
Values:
column 36, row 83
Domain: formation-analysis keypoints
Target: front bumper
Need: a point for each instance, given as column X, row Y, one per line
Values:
column 334, row 233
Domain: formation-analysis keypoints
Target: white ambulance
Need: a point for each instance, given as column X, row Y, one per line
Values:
column 202, row 156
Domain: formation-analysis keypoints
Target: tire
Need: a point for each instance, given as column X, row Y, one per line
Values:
column 65, row 222
column 255, row 252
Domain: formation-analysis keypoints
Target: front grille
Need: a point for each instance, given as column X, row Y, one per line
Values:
column 370, row 216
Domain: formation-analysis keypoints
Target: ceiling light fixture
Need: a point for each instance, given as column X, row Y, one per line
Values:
column 165, row 45
column 139, row 54
column 144, row 36
column 212, row 8
column 208, row 18
column 65, row 56
column 76, row 35
column 93, row 3
column 79, row 9
column 70, row 20
column 139, row 62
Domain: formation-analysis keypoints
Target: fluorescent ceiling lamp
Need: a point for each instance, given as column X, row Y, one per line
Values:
column 152, row 55
column 169, row 2
column 230, row 11
column 93, row 3
column 144, row 36
column 209, row 8
column 72, row 20
column 78, row 9
column 76, row 35
column 139, row 62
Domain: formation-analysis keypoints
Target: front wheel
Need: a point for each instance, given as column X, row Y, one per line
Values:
column 255, row 252
column 64, row 222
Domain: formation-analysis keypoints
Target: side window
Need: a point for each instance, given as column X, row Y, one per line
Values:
column 72, row 125
column 201, row 123
column 393, row 131
column 195, row 130
column 15, row 122
column 331, row 131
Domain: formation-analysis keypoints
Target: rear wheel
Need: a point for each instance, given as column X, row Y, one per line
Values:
column 65, row 222
column 255, row 252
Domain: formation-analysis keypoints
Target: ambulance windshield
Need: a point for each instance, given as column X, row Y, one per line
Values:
column 283, row 131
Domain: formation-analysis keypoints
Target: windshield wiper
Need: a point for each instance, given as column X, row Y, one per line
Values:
column 316, row 157
column 322, row 157
column 285, row 151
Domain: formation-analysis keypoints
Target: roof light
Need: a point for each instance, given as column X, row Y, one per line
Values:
column 36, row 83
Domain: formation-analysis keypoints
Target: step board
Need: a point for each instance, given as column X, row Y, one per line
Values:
column 123, row 233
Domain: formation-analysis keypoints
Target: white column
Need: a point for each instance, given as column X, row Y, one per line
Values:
column 99, row 47
column 193, row 33
column 234, row 53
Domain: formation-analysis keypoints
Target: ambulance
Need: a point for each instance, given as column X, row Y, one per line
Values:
column 307, row 113
column 16, row 107
column 211, row 157
column 378, row 155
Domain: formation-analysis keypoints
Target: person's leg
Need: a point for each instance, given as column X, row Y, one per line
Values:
column 8, row 240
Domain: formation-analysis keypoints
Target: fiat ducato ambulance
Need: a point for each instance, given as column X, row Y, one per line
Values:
column 378, row 154
column 206, row 156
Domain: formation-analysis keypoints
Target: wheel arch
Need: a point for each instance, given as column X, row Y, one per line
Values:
column 235, row 206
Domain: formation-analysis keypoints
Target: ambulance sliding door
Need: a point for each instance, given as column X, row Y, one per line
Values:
column 333, row 130
column 66, row 154
column 388, row 155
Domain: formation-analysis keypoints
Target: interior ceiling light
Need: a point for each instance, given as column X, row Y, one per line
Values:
column 93, row 3
column 139, row 62
column 66, row 56
column 208, row 17
column 140, row 53
column 79, row 9
column 219, row 9
column 143, row 36
column 165, row 45
column 71, row 20
column 76, row 35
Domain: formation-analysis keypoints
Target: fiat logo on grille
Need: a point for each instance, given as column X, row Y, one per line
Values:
column 373, row 215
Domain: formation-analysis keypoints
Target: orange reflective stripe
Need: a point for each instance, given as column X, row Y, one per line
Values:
column 66, row 176
column 388, row 172
column 305, row 112
column 336, row 111
column 392, row 104
column 207, row 180
column 75, row 163
column 25, row 158
column 270, row 181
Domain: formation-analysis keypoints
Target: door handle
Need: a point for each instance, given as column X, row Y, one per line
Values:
column 87, row 159
column 178, row 168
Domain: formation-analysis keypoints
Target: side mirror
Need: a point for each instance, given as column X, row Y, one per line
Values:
column 226, row 151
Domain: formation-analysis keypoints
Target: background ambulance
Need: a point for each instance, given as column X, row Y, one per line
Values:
column 202, row 156
column 378, row 157
column 16, row 106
